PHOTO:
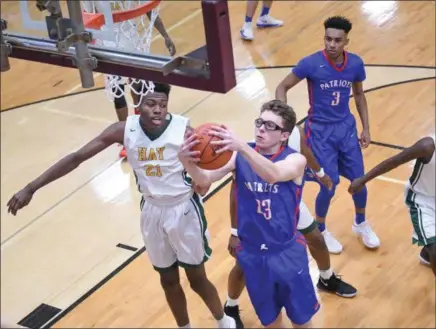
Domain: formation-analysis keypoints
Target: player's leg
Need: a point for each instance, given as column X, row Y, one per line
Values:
column 319, row 140
column 351, row 166
column 187, row 233
column 301, row 303
column 328, row 280
column 163, row 258
column 261, row 287
column 422, row 214
column 264, row 21
column 235, row 286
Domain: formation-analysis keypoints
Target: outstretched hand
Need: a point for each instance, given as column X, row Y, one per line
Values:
column 19, row 200
column 356, row 185
column 229, row 140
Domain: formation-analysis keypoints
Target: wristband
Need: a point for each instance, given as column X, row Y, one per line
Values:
column 320, row 173
column 234, row 231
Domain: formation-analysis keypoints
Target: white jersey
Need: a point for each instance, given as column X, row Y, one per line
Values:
column 294, row 141
column 422, row 180
column 159, row 174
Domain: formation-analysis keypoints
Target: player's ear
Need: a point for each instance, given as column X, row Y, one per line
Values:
column 346, row 41
column 285, row 136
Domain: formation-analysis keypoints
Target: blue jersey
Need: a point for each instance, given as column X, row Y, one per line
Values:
column 267, row 213
column 329, row 84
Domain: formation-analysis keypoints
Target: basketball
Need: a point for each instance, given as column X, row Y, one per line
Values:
column 208, row 158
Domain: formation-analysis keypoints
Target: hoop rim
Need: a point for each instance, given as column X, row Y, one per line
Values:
column 97, row 20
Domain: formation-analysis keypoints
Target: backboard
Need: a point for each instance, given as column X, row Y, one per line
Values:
column 53, row 32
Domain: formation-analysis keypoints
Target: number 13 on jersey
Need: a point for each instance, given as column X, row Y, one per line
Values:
column 264, row 208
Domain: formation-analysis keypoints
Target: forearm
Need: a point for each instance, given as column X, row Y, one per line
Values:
column 362, row 108
column 265, row 168
column 58, row 170
column 382, row 168
column 312, row 163
column 281, row 92
column 158, row 24
column 198, row 175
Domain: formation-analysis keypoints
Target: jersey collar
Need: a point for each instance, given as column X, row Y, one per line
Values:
column 332, row 64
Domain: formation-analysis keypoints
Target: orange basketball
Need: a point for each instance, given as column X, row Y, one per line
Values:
column 208, row 158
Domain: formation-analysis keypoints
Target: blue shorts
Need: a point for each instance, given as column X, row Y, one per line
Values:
column 336, row 147
column 279, row 279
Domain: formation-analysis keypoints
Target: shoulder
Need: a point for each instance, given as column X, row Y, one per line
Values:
column 427, row 144
column 355, row 59
column 296, row 158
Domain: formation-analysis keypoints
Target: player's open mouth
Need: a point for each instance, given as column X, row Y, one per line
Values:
column 156, row 121
column 259, row 138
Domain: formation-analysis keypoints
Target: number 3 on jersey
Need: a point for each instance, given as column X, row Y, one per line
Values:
column 264, row 208
column 336, row 98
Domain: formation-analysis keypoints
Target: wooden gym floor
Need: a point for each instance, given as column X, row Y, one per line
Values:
column 76, row 252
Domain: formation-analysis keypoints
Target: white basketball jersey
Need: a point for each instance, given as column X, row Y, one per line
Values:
column 294, row 141
column 422, row 180
column 159, row 173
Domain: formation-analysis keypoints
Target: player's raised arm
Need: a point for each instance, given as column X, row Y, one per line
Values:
column 290, row 168
column 111, row 135
column 422, row 149
column 299, row 72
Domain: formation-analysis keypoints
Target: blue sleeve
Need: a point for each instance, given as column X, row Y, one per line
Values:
column 360, row 71
column 302, row 70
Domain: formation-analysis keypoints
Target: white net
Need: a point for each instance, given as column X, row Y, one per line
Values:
column 130, row 35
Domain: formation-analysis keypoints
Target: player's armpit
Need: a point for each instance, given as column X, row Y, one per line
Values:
column 290, row 168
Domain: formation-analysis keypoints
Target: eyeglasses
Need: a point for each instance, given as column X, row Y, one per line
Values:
column 269, row 125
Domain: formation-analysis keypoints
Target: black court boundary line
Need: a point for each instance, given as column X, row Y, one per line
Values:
column 52, row 99
column 63, row 313
column 236, row 70
column 366, row 65
column 70, row 308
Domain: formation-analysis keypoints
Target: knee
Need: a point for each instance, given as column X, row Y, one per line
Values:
column 198, row 283
column 326, row 193
column 170, row 282
column 315, row 239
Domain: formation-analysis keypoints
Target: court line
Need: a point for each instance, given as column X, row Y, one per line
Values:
column 369, row 65
column 74, row 115
column 3, row 243
column 70, row 308
column 391, row 180
column 237, row 69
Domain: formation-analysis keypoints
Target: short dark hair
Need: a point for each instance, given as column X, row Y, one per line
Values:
column 339, row 23
column 140, row 87
column 284, row 111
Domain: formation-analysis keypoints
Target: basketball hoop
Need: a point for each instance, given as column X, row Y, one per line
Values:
column 132, row 31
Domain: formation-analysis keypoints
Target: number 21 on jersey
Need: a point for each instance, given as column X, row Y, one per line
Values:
column 336, row 98
column 264, row 208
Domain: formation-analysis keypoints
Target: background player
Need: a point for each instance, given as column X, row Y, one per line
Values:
column 264, row 21
column 330, row 126
column 419, row 193
column 269, row 178
column 328, row 280
column 172, row 213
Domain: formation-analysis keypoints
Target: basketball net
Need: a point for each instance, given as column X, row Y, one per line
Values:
column 133, row 34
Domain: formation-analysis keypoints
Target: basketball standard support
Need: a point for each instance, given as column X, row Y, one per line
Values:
column 215, row 72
